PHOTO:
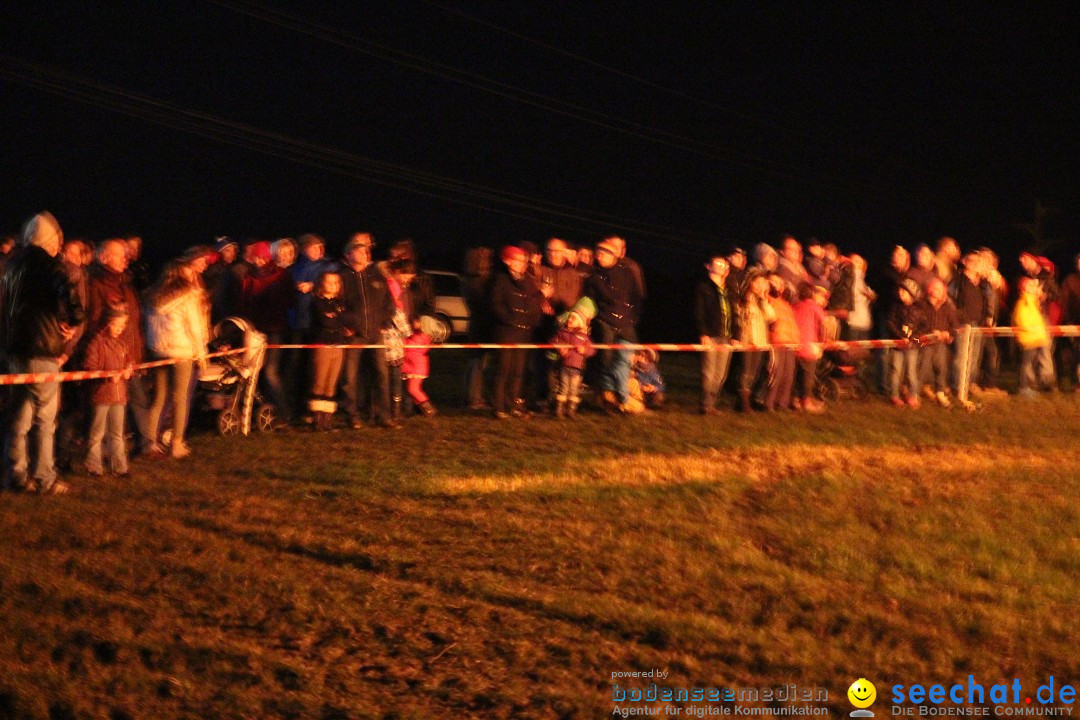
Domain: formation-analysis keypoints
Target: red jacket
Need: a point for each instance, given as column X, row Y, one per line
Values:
column 108, row 353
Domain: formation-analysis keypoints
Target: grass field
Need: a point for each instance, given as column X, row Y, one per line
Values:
column 470, row 568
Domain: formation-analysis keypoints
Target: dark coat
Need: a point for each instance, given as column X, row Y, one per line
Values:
column 327, row 321
column 369, row 307
column 36, row 298
column 517, row 306
column 618, row 298
column 107, row 353
column 714, row 311
column 112, row 288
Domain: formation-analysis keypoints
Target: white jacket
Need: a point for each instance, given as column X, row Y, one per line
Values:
column 177, row 326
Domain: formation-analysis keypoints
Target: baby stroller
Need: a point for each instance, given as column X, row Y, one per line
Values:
column 842, row 374
column 229, row 384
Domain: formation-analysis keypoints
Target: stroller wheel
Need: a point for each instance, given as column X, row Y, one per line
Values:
column 828, row 390
column 228, row 422
column 860, row 390
column 266, row 418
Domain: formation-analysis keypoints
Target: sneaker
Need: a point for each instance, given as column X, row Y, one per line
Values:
column 813, row 406
column 356, row 423
column 59, row 487
column 95, row 472
column 928, row 392
column 500, row 415
column 179, row 450
column 897, row 402
column 913, row 402
column 1028, row 394
column 943, row 399
column 796, row 404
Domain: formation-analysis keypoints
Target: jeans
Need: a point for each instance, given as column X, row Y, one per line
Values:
column 904, row 362
column 139, row 405
column 781, row 379
column 273, row 378
column 569, row 388
column 173, row 381
column 367, row 367
column 615, row 370
column 968, row 346
column 1044, row 378
column 107, row 424
column 32, row 406
column 714, row 367
column 934, row 366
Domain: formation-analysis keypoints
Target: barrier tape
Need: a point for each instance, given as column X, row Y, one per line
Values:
column 78, row 375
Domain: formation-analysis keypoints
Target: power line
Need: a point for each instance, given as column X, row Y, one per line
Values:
column 330, row 159
column 518, row 94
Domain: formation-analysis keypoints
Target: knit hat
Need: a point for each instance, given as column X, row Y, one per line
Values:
column 261, row 251
column 223, row 242
column 586, row 308
column 308, row 239
column 761, row 250
column 195, row 252
column 511, row 252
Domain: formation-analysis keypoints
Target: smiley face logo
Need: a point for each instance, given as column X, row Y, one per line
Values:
column 862, row 693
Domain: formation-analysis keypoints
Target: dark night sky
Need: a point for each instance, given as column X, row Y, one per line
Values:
column 870, row 125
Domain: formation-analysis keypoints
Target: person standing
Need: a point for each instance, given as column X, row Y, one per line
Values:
column 714, row 319
column 616, row 290
column 517, row 306
column 369, row 310
column 39, row 314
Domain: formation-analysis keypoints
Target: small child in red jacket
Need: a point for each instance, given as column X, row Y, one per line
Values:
column 415, row 368
column 108, row 351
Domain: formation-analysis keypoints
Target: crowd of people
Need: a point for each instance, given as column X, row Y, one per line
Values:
column 761, row 317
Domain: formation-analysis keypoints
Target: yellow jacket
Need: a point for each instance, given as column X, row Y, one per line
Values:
column 1030, row 325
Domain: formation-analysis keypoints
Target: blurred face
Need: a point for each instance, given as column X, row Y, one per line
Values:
column 718, row 267
column 792, row 251
column 760, row 285
column 315, row 252
column 517, row 264
column 936, row 292
column 198, row 265
column 769, row 260
column 331, row 285
column 859, row 263
column 360, row 255
column 73, row 253
column 620, row 247
column 585, row 256
column 925, row 258
column 950, row 249
column 575, row 322
column 116, row 326
column 737, row 260
column 134, row 248
column 905, row 297
column 821, row 297
column 114, row 256
column 228, row 254
column 556, row 253
column 900, row 258
column 816, row 251
column 604, row 257
column 286, row 255
column 1029, row 263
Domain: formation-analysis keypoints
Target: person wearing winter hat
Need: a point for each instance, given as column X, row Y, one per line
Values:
column 217, row 278
column 574, row 336
column 617, row 294
column 41, row 310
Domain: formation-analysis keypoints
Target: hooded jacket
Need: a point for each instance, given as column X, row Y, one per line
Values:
column 369, row 307
column 36, row 298
column 176, row 323
column 112, row 288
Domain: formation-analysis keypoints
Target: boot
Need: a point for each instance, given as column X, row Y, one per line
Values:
column 571, row 409
column 427, row 409
column 395, row 408
column 744, row 401
column 560, row 409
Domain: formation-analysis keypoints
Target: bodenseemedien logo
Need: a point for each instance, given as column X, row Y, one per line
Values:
column 862, row 695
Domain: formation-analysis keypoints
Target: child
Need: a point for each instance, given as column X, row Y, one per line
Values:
column 1033, row 337
column 647, row 374
column 327, row 328
column 108, row 351
column 415, row 367
column 810, row 317
column 906, row 321
column 574, row 333
column 783, row 331
column 755, row 316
